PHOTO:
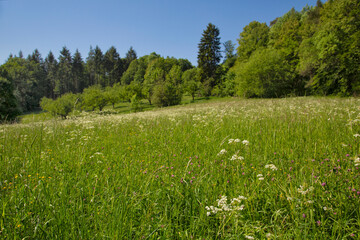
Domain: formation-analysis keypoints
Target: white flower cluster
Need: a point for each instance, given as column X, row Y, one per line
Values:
column 260, row 177
column 223, row 206
column 357, row 162
column 356, row 135
column 234, row 141
column 303, row 191
column 236, row 157
column 271, row 166
column 245, row 142
column 222, row 152
column 249, row 237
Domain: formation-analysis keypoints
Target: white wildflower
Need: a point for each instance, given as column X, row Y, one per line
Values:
column 268, row 235
column 223, row 151
column 245, row 142
column 224, row 207
column 357, row 162
column 236, row 157
column 261, row 178
column 231, row 141
column 237, row 140
column 271, row 166
column 303, row 191
column 249, row 237
column 356, row 135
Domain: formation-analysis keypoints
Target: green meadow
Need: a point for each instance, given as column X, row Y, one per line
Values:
column 228, row 169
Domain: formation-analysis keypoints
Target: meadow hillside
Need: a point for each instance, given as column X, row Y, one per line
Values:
column 234, row 169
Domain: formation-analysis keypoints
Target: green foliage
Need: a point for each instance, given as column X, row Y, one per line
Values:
column 209, row 56
column 166, row 94
column 265, row 74
column 192, row 82
column 337, row 46
column 63, row 82
column 112, row 94
column 254, row 36
column 24, row 75
column 135, row 103
column 9, row 109
column 94, row 97
column 78, row 73
column 62, row 106
column 113, row 66
column 229, row 49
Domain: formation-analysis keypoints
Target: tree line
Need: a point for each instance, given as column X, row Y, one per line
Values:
column 314, row 51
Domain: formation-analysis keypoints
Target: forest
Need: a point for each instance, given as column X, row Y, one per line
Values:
column 315, row 51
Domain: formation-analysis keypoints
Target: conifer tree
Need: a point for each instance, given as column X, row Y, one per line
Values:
column 209, row 56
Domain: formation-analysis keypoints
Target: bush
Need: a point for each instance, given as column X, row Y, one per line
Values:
column 166, row 94
column 94, row 97
column 61, row 106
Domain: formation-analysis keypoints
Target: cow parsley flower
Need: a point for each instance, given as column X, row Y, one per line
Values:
column 271, row 166
column 222, row 152
column 249, row 237
column 223, row 206
column 236, row 157
column 303, row 191
column 357, row 162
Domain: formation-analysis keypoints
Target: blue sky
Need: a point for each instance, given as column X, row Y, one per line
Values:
column 167, row 27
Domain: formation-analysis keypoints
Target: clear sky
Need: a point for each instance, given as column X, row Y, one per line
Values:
column 168, row 27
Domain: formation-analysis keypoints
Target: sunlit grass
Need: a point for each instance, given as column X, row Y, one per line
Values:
column 161, row 174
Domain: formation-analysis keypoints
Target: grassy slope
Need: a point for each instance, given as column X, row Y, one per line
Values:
column 153, row 174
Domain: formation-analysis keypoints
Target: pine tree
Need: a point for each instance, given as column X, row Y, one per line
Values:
column 50, row 66
column 64, row 77
column 78, row 72
column 112, row 66
column 99, row 66
column 209, row 56
column 130, row 56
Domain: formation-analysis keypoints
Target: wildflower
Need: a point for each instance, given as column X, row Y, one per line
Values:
column 356, row 135
column 304, row 192
column 357, row 162
column 249, row 237
column 260, row 177
column 318, row 222
column 231, row 141
column 304, row 216
column 236, row 157
column 245, row 142
column 223, row 151
column 323, row 184
column 271, row 166
column 223, row 206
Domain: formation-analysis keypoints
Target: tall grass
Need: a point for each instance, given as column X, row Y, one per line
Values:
column 164, row 174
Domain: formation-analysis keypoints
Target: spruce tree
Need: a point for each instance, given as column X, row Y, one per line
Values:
column 209, row 56
column 64, row 79
column 78, row 72
column 50, row 66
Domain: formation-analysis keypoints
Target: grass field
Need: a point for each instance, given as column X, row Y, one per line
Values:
column 230, row 169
